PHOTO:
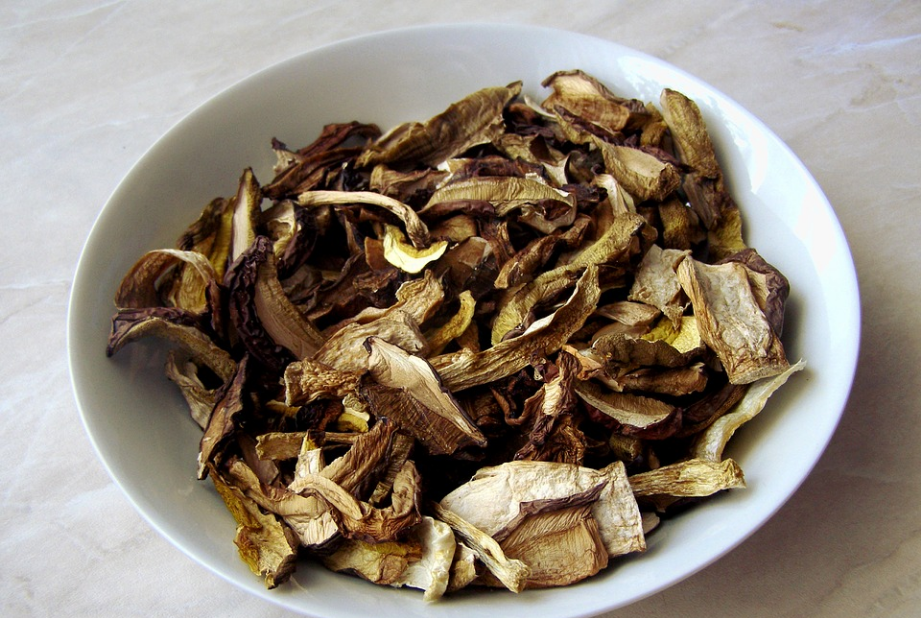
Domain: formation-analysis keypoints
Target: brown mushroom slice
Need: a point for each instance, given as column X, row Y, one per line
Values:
column 689, row 132
column 475, row 119
column 416, row 229
column 456, row 325
column 345, row 350
column 681, row 227
column 632, row 415
column 543, row 337
column 585, row 97
column 407, row 257
column 709, row 444
column 422, row 560
column 184, row 373
column 730, row 320
column 444, row 426
column 513, row 574
column 464, row 568
column 402, row 185
column 308, row 380
column 676, row 382
column 140, row 288
column 246, row 208
column 492, row 499
column 523, row 266
column 360, row 520
column 279, row 316
column 307, row 516
column 770, row 286
column 656, row 282
column 693, row 478
column 210, row 234
column 133, row 324
column 559, row 539
column 512, row 314
column 223, row 421
column 266, row 545
column 641, row 174
column 620, row 242
column 620, row 352
column 507, row 193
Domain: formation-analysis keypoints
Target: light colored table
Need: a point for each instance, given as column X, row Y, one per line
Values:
column 87, row 86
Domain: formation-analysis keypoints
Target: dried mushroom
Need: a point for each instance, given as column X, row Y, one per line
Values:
column 488, row 349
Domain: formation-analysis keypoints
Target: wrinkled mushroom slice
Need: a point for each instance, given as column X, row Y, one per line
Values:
column 621, row 353
column 709, row 444
column 246, row 208
column 394, row 368
column 585, row 97
column 223, row 421
column 345, row 349
column 620, row 242
column 559, row 540
column 184, row 373
column 359, row 520
column 416, row 229
column 632, row 415
column 308, row 380
column 133, row 324
column 513, row 574
column 512, row 314
column 693, row 478
column 279, row 316
column 423, row 560
column 492, row 499
column 770, row 286
column 543, row 337
column 630, row 318
column 689, row 132
column 730, row 320
column 507, row 193
column 140, row 288
column 676, row 382
column 681, row 228
column 475, row 119
column 456, row 325
column 641, row 174
column 656, row 282
column 404, row 186
column 465, row 568
column 266, row 545
column 523, row 266
column 307, row 516
column 407, row 257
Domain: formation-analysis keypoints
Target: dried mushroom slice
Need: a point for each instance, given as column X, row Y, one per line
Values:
column 407, row 257
column 709, row 444
column 265, row 544
column 423, row 560
column 141, row 287
column 475, row 119
column 415, row 228
column 583, row 96
column 731, row 321
column 308, row 380
column 641, row 174
column 692, row 478
column 656, row 281
column 632, row 415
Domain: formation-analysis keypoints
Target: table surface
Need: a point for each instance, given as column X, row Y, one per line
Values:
column 87, row 86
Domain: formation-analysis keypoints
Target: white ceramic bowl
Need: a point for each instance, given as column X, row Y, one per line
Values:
column 139, row 425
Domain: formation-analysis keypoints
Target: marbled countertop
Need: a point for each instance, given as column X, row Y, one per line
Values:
column 87, row 86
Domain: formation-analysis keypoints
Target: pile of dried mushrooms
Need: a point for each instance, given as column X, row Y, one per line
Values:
column 494, row 348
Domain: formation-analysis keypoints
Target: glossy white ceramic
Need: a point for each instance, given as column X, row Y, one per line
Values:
column 139, row 425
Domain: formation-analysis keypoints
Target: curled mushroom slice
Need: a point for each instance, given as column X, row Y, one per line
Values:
column 710, row 443
column 246, row 207
column 583, row 96
column 632, row 415
column 265, row 544
column 656, row 282
column 345, row 349
column 689, row 131
column 141, row 287
column 416, row 229
column 492, row 500
column 475, row 119
column 731, row 321
column 407, row 257
column 200, row 398
column 175, row 326
column 444, row 426
column 544, row 336
column 456, row 325
column 693, row 478
column 641, row 174
column 422, row 560
column 229, row 404
column 307, row 380
column 513, row 574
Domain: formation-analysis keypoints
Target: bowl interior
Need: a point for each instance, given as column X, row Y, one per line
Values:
column 138, row 422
